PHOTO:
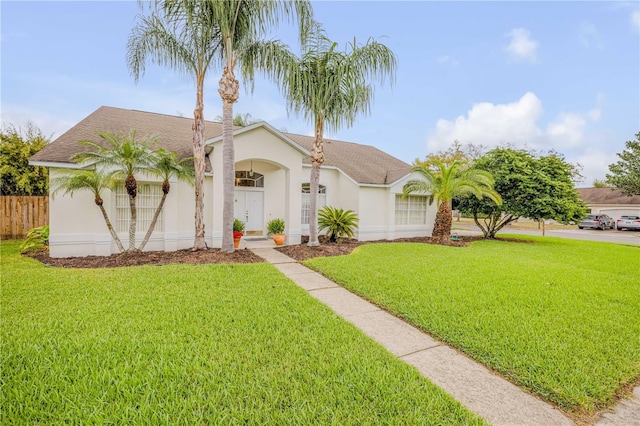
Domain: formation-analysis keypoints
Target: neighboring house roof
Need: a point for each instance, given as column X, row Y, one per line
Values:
column 606, row 196
column 363, row 163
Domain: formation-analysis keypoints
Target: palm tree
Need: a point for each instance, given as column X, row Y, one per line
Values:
column 181, row 35
column 166, row 165
column 122, row 157
column 443, row 183
column 331, row 88
column 242, row 23
column 88, row 180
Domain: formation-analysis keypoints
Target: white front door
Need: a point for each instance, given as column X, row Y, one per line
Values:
column 249, row 208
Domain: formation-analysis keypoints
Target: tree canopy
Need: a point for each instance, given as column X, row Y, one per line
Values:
column 464, row 154
column 17, row 177
column 532, row 186
column 625, row 174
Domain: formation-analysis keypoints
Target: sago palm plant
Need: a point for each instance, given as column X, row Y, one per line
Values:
column 339, row 223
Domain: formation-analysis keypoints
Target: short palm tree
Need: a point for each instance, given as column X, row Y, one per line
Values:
column 166, row 165
column 242, row 23
column 331, row 88
column 443, row 183
column 338, row 222
column 181, row 35
column 122, row 157
column 87, row 180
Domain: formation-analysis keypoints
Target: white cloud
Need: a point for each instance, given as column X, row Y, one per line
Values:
column 517, row 124
column 635, row 20
column 590, row 36
column 522, row 46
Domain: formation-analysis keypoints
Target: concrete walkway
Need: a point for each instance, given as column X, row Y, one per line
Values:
column 476, row 387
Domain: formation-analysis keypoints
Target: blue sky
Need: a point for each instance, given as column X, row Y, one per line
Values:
column 542, row 75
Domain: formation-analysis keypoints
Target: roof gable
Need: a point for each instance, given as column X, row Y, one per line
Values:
column 363, row 163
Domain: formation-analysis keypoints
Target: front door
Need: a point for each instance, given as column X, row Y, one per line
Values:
column 249, row 208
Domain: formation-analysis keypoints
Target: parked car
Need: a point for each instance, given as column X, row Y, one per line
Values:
column 628, row 222
column 597, row 221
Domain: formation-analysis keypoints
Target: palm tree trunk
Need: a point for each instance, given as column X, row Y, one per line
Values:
column 228, row 89
column 199, row 242
column 442, row 227
column 112, row 231
column 152, row 226
column 317, row 158
column 132, row 223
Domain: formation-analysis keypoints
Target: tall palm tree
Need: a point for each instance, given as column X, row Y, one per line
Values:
column 181, row 35
column 87, row 180
column 122, row 157
column 242, row 24
column 166, row 165
column 443, row 183
column 331, row 88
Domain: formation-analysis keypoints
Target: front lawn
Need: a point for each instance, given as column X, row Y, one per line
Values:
column 193, row 344
column 558, row 317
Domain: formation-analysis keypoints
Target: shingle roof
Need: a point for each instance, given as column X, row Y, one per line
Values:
column 606, row 196
column 364, row 164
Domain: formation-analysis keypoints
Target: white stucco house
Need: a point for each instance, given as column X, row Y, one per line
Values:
column 272, row 181
column 610, row 201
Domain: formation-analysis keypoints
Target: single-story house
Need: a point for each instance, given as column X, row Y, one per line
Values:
column 610, row 201
column 272, row 181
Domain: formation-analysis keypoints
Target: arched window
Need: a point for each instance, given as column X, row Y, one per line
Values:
column 306, row 200
column 249, row 179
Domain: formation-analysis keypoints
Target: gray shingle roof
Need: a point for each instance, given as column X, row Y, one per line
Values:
column 364, row 164
column 606, row 196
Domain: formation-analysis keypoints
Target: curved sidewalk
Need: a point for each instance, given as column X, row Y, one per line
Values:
column 497, row 400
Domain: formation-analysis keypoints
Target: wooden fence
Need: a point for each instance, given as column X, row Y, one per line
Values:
column 19, row 214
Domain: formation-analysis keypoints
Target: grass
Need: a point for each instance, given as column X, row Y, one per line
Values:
column 184, row 344
column 558, row 317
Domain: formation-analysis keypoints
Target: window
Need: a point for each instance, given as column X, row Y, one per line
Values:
column 250, row 179
column 306, row 200
column 147, row 201
column 411, row 210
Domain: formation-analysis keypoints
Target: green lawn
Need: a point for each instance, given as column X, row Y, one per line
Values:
column 558, row 317
column 182, row 344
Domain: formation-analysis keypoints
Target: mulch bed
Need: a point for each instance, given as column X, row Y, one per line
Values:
column 210, row 256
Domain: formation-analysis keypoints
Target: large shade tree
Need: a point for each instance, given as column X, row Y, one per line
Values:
column 122, row 157
column 243, row 25
column 532, row 186
column 17, row 177
column 182, row 36
column 625, row 173
column 331, row 88
column 442, row 182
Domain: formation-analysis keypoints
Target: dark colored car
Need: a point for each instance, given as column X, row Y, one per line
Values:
column 597, row 221
column 628, row 222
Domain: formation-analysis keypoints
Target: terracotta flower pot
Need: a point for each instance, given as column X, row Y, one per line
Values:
column 236, row 242
column 278, row 239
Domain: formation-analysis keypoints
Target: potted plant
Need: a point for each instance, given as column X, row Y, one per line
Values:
column 238, row 232
column 275, row 228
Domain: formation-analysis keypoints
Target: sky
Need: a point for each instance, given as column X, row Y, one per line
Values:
column 545, row 75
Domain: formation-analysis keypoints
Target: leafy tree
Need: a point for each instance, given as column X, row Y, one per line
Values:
column 124, row 157
column 17, row 177
column 166, row 165
column 331, row 88
column 87, row 180
column 242, row 23
column 599, row 183
column 241, row 120
column 339, row 223
column 464, row 154
column 181, row 35
column 625, row 174
column 531, row 186
column 445, row 184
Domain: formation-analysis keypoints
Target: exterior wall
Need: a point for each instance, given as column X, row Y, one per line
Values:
column 279, row 162
column 615, row 210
